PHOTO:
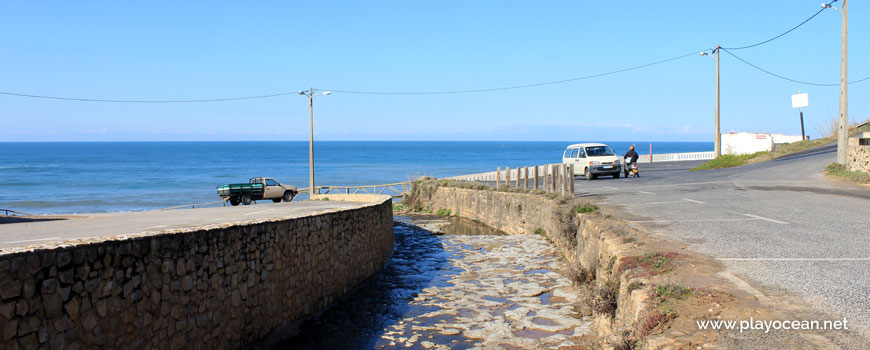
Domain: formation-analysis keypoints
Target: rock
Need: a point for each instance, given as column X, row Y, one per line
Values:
column 451, row 331
column 72, row 308
column 7, row 310
column 10, row 329
column 66, row 276
column 10, row 288
column 53, row 305
column 428, row 344
column 64, row 258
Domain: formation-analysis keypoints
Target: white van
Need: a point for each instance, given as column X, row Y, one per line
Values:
column 592, row 159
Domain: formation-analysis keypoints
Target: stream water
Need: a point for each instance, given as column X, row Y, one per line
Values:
column 470, row 287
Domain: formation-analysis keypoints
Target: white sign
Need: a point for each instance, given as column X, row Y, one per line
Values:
column 800, row 100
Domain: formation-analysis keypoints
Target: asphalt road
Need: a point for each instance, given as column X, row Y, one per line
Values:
column 779, row 225
column 19, row 234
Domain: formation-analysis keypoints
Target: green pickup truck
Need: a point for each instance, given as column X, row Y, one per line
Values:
column 257, row 188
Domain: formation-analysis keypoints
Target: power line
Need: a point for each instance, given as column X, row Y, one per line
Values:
column 514, row 86
column 786, row 78
column 351, row 92
column 780, row 35
column 144, row 101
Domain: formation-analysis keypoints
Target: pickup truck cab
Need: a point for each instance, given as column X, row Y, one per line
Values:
column 592, row 160
column 256, row 189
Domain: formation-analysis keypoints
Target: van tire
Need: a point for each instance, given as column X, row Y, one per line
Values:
column 246, row 199
column 589, row 175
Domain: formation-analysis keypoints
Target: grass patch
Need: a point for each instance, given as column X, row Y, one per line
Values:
column 586, row 208
column 325, row 199
column 727, row 161
column 443, row 212
column 650, row 264
column 539, row 231
column 840, row 171
column 400, row 207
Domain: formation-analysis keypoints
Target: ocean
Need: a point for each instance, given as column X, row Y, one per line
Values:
column 92, row 177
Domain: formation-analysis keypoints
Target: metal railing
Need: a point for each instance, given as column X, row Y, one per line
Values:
column 14, row 213
column 675, row 157
column 392, row 189
column 195, row 205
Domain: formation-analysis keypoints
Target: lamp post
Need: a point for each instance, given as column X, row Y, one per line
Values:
column 717, row 143
column 843, row 124
column 311, row 93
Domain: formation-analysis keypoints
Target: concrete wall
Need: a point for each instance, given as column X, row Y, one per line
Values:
column 859, row 155
column 217, row 287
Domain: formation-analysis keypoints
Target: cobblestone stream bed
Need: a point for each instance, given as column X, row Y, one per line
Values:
column 473, row 290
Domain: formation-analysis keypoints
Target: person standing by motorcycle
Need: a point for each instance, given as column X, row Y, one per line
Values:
column 632, row 155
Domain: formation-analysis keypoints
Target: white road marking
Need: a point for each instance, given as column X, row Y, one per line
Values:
column 701, row 220
column 257, row 212
column 645, row 192
column 158, row 226
column 654, row 203
column 32, row 240
column 610, row 188
column 683, row 200
column 794, row 259
column 766, row 219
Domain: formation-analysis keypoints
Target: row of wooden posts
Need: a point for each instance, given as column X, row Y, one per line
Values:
column 553, row 178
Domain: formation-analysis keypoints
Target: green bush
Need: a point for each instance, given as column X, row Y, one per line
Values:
column 586, row 208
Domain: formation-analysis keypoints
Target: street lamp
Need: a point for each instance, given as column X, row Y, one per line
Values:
column 717, row 143
column 843, row 124
column 311, row 93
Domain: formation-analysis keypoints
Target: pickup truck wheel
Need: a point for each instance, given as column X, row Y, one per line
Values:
column 234, row 202
column 246, row 199
column 288, row 196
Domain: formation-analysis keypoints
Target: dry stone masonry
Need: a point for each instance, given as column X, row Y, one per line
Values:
column 217, row 287
column 859, row 152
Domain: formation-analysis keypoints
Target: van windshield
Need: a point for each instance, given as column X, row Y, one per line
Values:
column 599, row 151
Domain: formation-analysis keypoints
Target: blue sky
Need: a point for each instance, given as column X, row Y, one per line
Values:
column 199, row 50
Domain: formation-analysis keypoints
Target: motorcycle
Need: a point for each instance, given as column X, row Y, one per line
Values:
column 630, row 168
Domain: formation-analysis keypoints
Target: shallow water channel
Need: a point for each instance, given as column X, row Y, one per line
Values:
column 467, row 287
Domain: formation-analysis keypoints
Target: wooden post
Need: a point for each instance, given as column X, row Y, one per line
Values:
column 497, row 177
column 572, row 180
column 526, row 177
column 553, row 173
column 507, row 176
column 536, row 177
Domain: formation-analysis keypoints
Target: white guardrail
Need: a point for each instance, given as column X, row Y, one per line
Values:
column 675, row 157
column 542, row 169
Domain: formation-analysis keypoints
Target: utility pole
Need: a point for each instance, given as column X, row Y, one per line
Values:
column 310, row 94
column 843, row 128
column 311, row 140
column 717, row 148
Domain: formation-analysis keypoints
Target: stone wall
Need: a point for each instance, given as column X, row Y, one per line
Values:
column 580, row 239
column 859, row 154
column 218, row 287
